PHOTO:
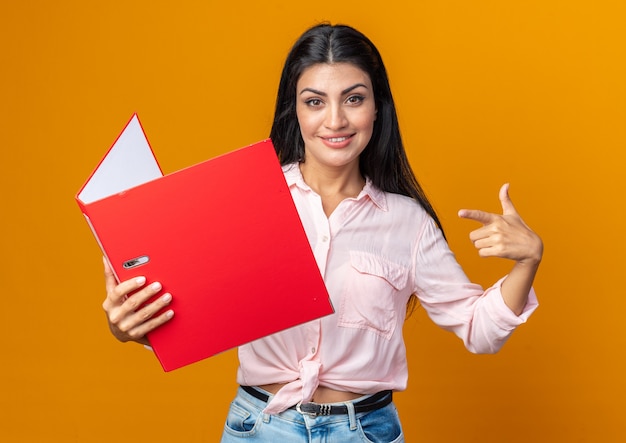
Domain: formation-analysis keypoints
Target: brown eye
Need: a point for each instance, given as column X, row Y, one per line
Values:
column 313, row 102
column 355, row 99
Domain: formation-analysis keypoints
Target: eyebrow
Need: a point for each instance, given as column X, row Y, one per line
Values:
column 323, row 94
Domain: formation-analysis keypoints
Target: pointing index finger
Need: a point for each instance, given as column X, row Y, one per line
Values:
column 480, row 216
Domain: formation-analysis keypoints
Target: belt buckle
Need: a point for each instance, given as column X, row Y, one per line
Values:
column 319, row 409
column 312, row 414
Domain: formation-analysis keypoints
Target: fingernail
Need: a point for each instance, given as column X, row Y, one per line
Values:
column 167, row 298
column 169, row 314
column 140, row 280
column 156, row 286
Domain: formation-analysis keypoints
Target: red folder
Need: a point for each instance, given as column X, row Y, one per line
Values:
column 223, row 237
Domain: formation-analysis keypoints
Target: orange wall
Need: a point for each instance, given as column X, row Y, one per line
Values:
column 528, row 92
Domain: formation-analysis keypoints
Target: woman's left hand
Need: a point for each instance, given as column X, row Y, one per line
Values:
column 506, row 235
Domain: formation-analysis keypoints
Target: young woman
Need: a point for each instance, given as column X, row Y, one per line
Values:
column 379, row 246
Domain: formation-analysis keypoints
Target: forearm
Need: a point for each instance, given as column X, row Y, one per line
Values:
column 517, row 285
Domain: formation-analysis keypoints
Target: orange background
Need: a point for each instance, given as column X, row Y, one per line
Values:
column 528, row 92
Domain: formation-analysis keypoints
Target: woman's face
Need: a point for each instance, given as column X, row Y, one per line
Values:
column 336, row 111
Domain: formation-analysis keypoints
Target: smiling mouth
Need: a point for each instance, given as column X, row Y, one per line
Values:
column 337, row 139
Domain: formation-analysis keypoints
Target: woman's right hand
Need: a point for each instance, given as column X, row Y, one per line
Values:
column 129, row 317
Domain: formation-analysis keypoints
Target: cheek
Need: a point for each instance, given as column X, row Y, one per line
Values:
column 366, row 122
column 304, row 129
column 366, row 117
column 306, row 122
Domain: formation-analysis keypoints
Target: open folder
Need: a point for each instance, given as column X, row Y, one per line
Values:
column 222, row 236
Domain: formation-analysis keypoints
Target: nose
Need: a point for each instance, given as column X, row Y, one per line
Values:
column 335, row 117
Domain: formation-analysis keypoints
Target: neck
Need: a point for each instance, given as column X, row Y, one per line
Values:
column 338, row 182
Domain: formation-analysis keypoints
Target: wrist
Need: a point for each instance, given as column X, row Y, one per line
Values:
column 534, row 258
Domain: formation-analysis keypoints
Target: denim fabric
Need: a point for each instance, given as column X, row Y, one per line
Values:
column 247, row 422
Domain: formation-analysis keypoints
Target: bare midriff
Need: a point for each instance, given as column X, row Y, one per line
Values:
column 321, row 395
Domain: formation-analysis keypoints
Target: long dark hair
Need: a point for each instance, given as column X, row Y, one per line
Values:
column 384, row 159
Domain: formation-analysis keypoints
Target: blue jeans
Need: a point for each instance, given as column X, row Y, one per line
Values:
column 246, row 422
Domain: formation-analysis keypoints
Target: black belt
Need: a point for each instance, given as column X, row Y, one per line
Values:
column 376, row 401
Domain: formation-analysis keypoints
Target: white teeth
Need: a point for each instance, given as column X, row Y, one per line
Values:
column 337, row 140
